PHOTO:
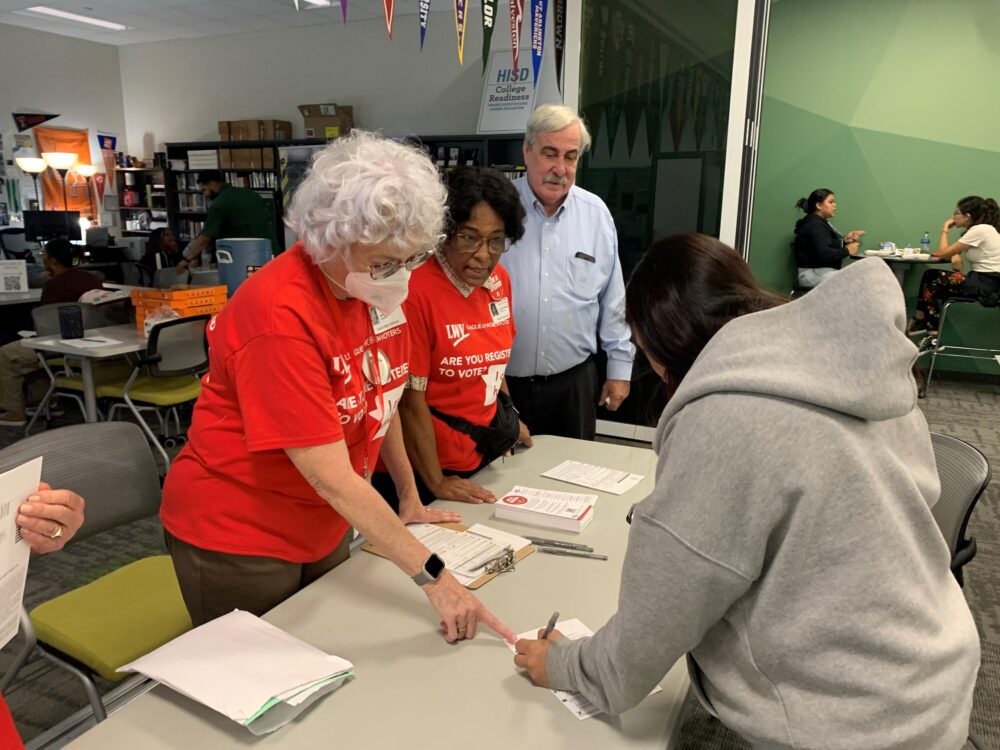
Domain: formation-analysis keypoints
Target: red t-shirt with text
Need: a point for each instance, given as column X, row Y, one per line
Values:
column 286, row 370
column 462, row 346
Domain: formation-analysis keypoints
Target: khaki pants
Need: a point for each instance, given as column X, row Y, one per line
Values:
column 16, row 361
column 215, row 583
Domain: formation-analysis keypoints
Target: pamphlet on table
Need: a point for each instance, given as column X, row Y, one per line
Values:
column 90, row 342
column 566, row 511
column 16, row 486
column 247, row 669
column 601, row 478
column 578, row 705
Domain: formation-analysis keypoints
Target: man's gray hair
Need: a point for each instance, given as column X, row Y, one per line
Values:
column 366, row 189
column 550, row 118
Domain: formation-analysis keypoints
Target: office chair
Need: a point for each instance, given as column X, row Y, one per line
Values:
column 103, row 625
column 964, row 473
column 175, row 356
column 938, row 347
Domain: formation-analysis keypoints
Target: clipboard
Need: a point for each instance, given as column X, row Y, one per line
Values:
column 477, row 583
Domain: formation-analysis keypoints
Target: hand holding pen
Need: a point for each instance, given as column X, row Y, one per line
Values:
column 531, row 653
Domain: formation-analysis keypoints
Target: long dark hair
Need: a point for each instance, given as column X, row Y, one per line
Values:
column 981, row 210
column 816, row 196
column 155, row 242
column 684, row 289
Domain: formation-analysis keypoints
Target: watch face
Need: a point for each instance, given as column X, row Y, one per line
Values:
column 434, row 566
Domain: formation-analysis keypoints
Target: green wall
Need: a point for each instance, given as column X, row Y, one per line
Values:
column 895, row 106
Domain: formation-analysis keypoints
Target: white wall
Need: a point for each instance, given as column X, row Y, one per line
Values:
column 79, row 80
column 179, row 90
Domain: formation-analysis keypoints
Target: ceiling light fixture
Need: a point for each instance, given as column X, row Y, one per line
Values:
column 44, row 10
column 319, row 3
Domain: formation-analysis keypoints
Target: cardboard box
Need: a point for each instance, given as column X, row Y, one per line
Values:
column 327, row 120
column 275, row 130
column 267, row 158
column 241, row 158
column 225, row 130
column 225, row 158
column 256, row 158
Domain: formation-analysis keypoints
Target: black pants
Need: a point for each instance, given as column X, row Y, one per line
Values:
column 563, row 404
column 383, row 484
column 937, row 286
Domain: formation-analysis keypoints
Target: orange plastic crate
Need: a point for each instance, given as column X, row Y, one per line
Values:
column 180, row 292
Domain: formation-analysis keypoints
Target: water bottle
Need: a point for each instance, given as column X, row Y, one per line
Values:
column 925, row 243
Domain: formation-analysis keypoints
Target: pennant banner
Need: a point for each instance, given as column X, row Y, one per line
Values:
column 100, row 182
column 538, row 8
column 460, row 20
column 387, row 7
column 74, row 141
column 635, row 64
column 343, row 10
column 489, row 15
column 516, row 12
column 425, row 11
column 27, row 120
column 653, row 105
column 619, row 68
column 559, row 40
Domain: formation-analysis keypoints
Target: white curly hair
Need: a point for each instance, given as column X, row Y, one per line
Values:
column 366, row 189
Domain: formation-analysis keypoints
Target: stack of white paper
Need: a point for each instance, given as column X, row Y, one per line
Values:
column 566, row 511
column 16, row 486
column 247, row 669
column 466, row 553
column 601, row 478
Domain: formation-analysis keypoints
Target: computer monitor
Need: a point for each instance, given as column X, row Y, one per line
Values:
column 97, row 237
column 42, row 226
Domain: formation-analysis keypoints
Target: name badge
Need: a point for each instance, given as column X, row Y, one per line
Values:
column 382, row 323
column 500, row 310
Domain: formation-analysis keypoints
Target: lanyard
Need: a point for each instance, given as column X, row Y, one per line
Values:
column 358, row 370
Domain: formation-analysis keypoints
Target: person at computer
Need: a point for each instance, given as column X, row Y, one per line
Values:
column 48, row 520
column 234, row 212
column 819, row 248
column 17, row 362
column 161, row 251
column 300, row 400
column 814, row 599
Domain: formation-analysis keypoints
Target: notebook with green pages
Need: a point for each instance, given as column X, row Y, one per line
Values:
column 247, row 669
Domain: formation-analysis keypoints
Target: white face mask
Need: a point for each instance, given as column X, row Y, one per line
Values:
column 383, row 294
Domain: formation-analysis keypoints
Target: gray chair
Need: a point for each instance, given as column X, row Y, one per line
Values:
column 964, row 473
column 205, row 277
column 130, row 273
column 124, row 614
column 939, row 348
column 164, row 378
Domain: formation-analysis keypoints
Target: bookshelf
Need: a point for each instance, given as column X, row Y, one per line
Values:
column 502, row 152
column 251, row 164
column 143, row 201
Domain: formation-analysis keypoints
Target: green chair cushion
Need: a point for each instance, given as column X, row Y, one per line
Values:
column 112, row 370
column 158, row 391
column 117, row 618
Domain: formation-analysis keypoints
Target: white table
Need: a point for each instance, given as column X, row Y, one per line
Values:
column 131, row 338
column 901, row 265
column 20, row 298
column 413, row 690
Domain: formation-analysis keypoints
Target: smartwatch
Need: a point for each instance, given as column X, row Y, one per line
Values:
column 431, row 571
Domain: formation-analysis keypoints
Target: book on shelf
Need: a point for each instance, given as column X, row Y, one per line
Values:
column 189, row 230
column 565, row 511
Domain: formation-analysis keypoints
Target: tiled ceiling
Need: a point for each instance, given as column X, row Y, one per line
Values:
column 160, row 20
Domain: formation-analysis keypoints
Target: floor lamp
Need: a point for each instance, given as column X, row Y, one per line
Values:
column 34, row 166
column 86, row 171
column 62, row 162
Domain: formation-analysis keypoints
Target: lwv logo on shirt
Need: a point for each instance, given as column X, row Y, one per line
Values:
column 456, row 333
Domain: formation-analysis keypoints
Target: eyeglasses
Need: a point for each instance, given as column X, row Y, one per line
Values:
column 469, row 243
column 385, row 270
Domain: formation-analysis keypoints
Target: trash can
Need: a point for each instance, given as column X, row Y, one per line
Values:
column 240, row 257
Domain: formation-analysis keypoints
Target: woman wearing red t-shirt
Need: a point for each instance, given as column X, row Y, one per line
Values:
column 456, row 412
column 307, row 364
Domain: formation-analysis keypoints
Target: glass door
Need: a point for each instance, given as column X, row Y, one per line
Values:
column 668, row 89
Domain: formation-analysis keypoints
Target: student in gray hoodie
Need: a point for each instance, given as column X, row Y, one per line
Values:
column 788, row 547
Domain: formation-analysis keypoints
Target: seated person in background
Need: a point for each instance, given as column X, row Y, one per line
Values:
column 459, row 310
column 813, row 600
column 819, row 248
column 161, row 251
column 66, row 284
column 48, row 520
column 980, row 244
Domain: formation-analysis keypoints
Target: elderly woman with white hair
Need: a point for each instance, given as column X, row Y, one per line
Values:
column 307, row 365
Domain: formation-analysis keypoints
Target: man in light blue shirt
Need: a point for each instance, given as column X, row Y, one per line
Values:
column 566, row 280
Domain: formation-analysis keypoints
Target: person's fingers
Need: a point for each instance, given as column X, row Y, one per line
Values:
column 450, row 630
column 521, row 660
column 493, row 623
column 527, row 442
column 43, row 526
column 614, row 404
column 41, row 543
column 470, row 625
column 442, row 516
column 44, row 487
column 61, row 514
